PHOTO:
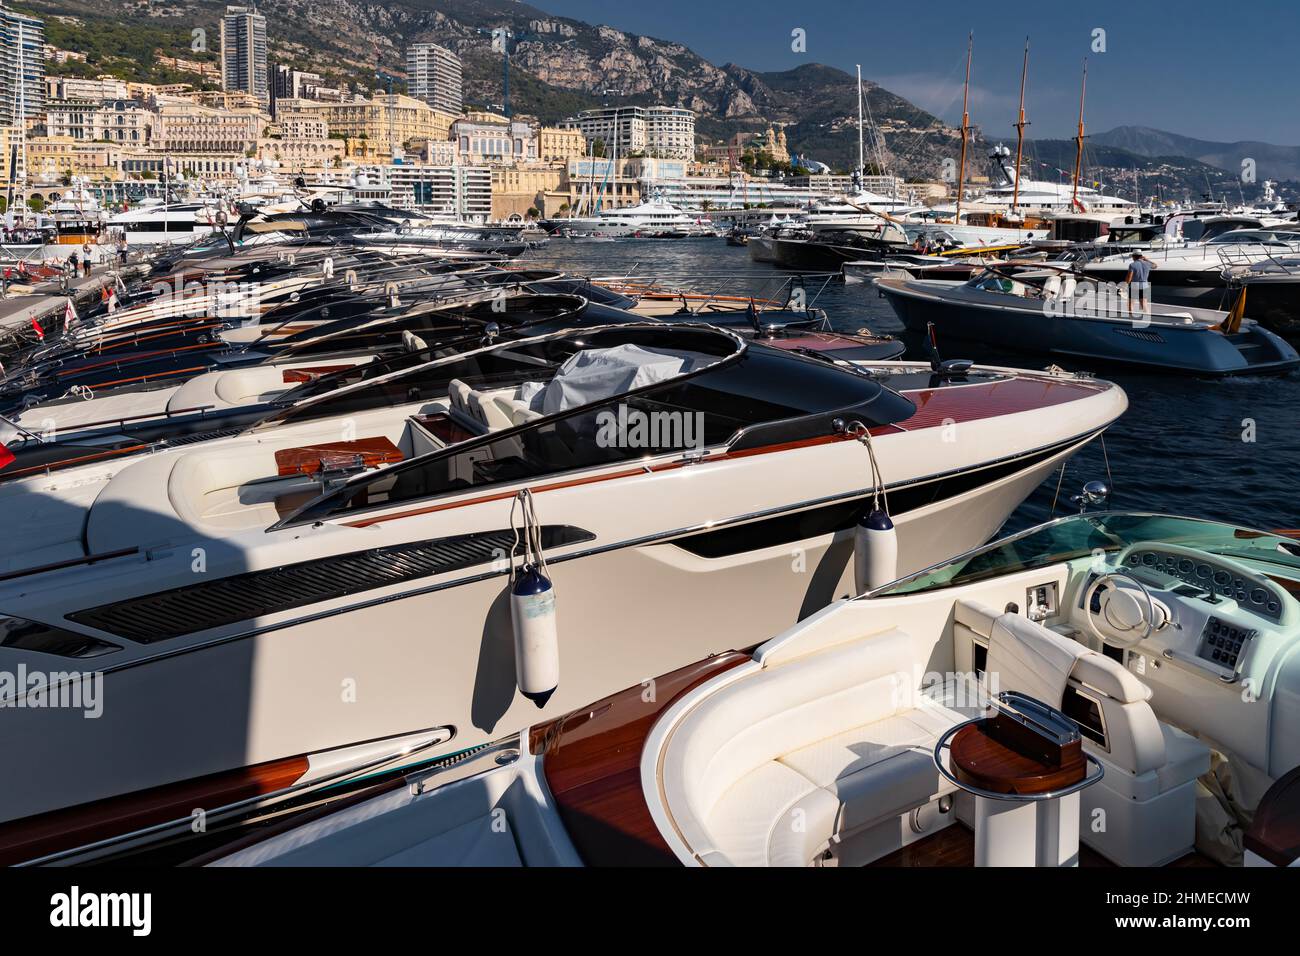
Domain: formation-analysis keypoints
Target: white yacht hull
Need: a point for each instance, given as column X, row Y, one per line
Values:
column 639, row 598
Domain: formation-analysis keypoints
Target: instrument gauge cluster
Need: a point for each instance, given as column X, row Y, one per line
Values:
column 1209, row 576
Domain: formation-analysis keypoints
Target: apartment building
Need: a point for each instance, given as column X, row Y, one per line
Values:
column 81, row 88
column 663, row 131
column 226, row 99
column 243, row 52
column 117, row 121
column 22, row 68
column 299, row 124
column 434, row 76
column 387, row 122
column 434, row 152
column 463, row 192
column 559, row 144
column 191, row 128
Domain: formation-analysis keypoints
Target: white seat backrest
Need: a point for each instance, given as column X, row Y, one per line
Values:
column 1024, row 656
column 780, row 709
column 485, row 408
column 1068, row 285
column 1052, row 287
column 459, row 394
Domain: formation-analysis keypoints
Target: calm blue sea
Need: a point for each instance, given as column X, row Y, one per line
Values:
column 1180, row 448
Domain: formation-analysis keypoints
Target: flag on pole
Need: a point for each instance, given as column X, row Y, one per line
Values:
column 69, row 315
column 36, row 327
column 8, row 433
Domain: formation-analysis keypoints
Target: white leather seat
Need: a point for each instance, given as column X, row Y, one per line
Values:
column 488, row 411
column 1146, row 797
column 772, row 769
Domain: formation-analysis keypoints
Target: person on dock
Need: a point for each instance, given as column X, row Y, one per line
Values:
column 86, row 253
column 74, row 263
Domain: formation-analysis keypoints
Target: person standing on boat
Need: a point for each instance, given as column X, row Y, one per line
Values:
column 1138, row 281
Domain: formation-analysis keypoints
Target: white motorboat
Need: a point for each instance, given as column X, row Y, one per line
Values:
column 1051, row 698
column 1210, row 274
column 652, row 218
column 341, row 576
column 155, row 222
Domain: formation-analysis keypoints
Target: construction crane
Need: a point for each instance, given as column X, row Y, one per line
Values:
column 505, row 40
column 383, row 76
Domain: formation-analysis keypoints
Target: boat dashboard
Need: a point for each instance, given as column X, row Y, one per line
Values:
column 1205, row 614
column 1209, row 610
column 1216, row 638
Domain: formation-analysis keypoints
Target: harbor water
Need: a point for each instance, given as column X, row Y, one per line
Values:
column 1224, row 449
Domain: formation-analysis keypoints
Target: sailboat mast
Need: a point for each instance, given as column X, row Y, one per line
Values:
column 862, row 166
column 965, row 127
column 1078, row 140
column 1020, row 131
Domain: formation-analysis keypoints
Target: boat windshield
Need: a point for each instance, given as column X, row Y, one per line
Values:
column 745, row 397
column 1256, row 237
column 992, row 280
column 1067, row 539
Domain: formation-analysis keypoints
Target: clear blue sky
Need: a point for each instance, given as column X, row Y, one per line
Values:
column 1218, row 71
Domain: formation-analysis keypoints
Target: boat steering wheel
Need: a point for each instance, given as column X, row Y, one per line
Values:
column 1128, row 620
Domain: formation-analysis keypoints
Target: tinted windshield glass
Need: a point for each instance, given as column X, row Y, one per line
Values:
column 774, row 396
column 1077, row 537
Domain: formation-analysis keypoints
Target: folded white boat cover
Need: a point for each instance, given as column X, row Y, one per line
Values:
column 595, row 374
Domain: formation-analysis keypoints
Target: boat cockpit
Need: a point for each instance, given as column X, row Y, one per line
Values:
column 616, row 394
column 1167, row 649
column 1172, row 643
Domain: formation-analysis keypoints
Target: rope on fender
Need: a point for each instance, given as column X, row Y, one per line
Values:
column 532, row 534
column 860, row 432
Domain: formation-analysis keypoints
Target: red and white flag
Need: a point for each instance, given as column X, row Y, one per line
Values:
column 8, row 433
column 36, row 327
column 69, row 316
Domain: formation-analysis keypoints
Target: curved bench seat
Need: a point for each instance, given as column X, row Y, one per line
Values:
column 773, row 768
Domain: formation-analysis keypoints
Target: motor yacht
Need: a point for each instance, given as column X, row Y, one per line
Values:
column 653, row 218
column 1144, row 665
column 1010, row 213
column 1208, row 274
column 155, row 222
column 1053, row 312
column 340, row 576
column 243, row 311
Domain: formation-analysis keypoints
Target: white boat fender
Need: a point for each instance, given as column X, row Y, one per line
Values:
column 537, row 643
column 875, row 539
column 875, row 551
column 532, row 610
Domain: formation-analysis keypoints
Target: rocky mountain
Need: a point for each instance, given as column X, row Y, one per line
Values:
column 557, row 66
column 1270, row 161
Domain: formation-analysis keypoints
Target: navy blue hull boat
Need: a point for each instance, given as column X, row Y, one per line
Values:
column 1055, row 314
